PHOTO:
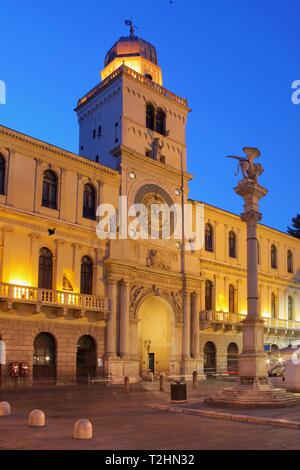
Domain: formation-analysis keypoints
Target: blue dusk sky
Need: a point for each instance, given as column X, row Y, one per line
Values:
column 234, row 60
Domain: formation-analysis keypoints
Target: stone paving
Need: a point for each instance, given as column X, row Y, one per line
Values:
column 122, row 421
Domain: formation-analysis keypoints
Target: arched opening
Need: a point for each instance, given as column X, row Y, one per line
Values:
column 44, row 357
column 290, row 267
column 45, row 269
column 208, row 295
column 209, row 238
column 232, row 358
column 150, row 116
column 2, row 174
column 273, row 257
column 232, row 244
column 89, row 202
column 160, row 121
column 86, row 276
column 86, row 358
column 147, row 75
column 154, row 335
column 273, row 305
column 210, row 359
column 231, row 299
column 49, row 197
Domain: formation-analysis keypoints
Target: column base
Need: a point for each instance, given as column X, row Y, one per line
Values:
column 120, row 368
column 188, row 366
column 253, row 392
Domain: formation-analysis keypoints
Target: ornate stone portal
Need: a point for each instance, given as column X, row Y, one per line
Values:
column 254, row 388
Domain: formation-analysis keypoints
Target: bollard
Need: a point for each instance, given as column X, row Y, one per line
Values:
column 126, row 384
column 161, row 383
column 83, row 429
column 5, row 409
column 151, row 376
column 36, row 418
column 195, row 380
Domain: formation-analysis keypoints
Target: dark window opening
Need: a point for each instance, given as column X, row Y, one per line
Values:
column 232, row 244
column 89, row 202
column 49, row 197
column 2, row 175
column 273, row 257
column 209, row 245
column 86, row 276
column 160, row 121
column 150, row 116
column 45, row 269
column 290, row 267
column 208, row 295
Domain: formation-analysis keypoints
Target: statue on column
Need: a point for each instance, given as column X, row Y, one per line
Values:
column 249, row 169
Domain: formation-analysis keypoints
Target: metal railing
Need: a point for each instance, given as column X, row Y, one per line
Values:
column 52, row 297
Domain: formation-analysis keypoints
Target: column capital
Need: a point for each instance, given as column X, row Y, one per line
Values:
column 34, row 236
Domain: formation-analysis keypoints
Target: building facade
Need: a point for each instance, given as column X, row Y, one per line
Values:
column 72, row 304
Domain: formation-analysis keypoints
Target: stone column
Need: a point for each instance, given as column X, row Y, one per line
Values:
column 252, row 358
column 98, row 288
column 186, row 336
column 124, row 319
column 111, row 329
column 195, row 324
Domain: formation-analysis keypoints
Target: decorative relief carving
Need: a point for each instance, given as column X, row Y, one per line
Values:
column 139, row 293
column 154, row 260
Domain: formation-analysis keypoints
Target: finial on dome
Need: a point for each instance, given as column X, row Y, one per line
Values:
column 130, row 23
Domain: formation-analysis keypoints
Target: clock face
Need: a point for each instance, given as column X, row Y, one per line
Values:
column 158, row 220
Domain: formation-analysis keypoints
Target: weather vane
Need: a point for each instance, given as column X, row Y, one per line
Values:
column 132, row 27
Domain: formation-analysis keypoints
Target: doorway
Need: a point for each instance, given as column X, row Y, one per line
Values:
column 86, row 358
column 44, row 358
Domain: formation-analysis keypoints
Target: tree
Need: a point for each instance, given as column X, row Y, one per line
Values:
column 294, row 230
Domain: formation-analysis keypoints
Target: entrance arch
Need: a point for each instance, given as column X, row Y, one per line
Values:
column 155, row 326
column 232, row 358
column 210, row 359
column 44, row 357
column 85, row 358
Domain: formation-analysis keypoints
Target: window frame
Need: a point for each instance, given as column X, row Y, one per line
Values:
column 45, row 272
column 232, row 236
column 89, row 212
column 48, row 186
column 86, row 282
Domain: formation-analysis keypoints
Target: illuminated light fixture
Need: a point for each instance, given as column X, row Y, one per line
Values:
column 178, row 245
column 132, row 233
column 132, row 175
column 177, row 192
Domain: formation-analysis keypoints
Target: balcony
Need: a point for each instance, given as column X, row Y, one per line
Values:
column 60, row 302
column 225, row 321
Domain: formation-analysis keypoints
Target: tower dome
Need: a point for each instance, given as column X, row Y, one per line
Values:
column 131, row 46
column 136, row 54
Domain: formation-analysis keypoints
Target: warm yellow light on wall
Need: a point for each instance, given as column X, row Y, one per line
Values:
column 16, row 281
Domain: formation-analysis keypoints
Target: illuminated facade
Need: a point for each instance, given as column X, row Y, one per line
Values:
column 73, row 305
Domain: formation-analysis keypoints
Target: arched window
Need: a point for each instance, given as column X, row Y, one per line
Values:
column 160, row 121
column 208, row 295
column 232, row 358
column 209, row 238
column 49, row 198
column 45, row 269
column 231, row 299
column 232, row 244
column 210, row 359
column 86, row 276
column 290, row 308
column 273, row 305
column 2, row 174
column 89, row 202
column 150, row 116
column 44, row 356
column 290, row 267
column 273, row 257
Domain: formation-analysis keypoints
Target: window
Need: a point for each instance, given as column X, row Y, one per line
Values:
column 97, row 158
column 150, row 116
column 208, row 295
column 86, row 276
column 89, row 202
column 99, row 131
column 290, row 308
column 45, row 269
column 209, row 245
column 290, row 267
column 94, row 133
column 49, row 198
column 116, row 132
column 160, row 121
column 273, row 257
column 232, row 244
column 2, row 175
column 147, row 75
column 231, row 299
column 273, row 305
